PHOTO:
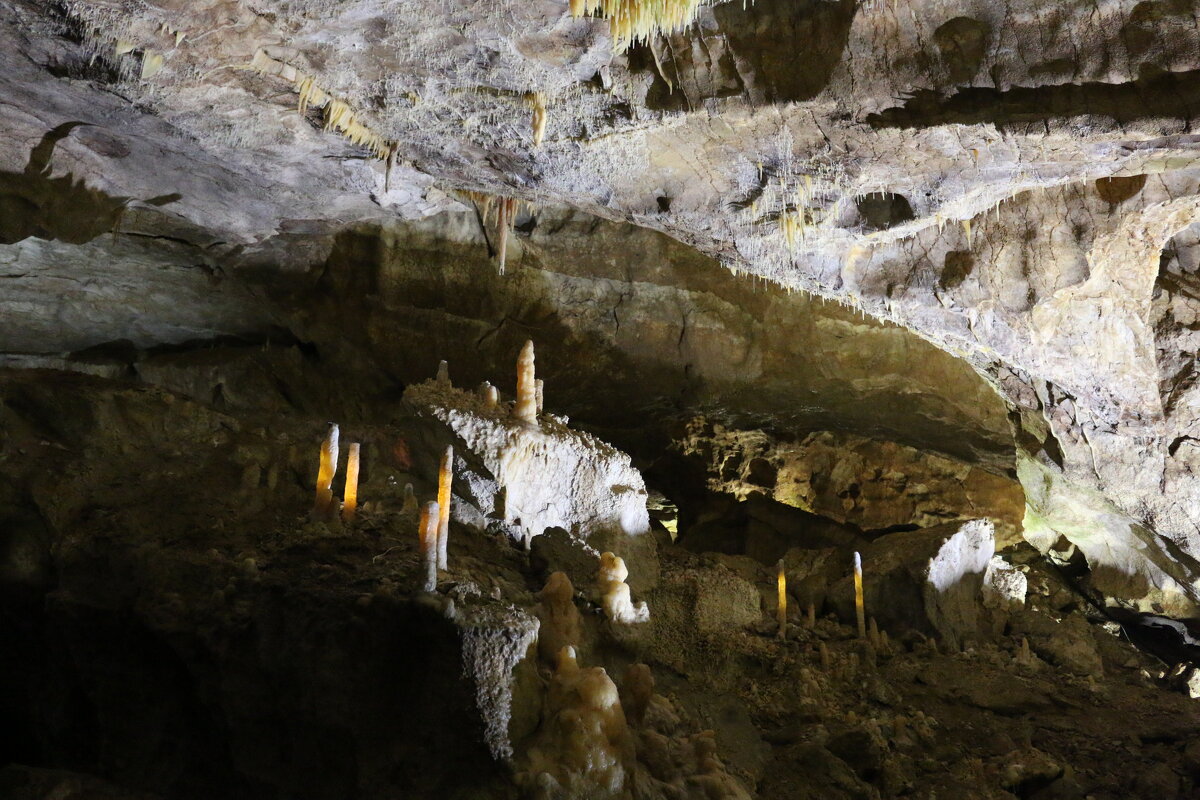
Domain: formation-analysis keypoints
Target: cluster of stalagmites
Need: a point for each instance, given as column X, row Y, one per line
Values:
column 433, row 528
column 525, row 471
column 596, row 740
column 323, row 506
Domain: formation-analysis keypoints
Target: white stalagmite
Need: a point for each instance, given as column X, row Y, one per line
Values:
column 326, row 471
column 540, row 395
column 410, row 500
column 428, row 531
column 614, row 592
column 445, row 477
column 525, row 408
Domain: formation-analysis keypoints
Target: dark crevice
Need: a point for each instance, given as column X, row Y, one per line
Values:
column 1153, row 95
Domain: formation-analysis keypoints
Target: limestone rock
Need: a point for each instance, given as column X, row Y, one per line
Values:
column 930, row 580
column 1068, row 643
column 863, row 482
column 1004, row 586
column 531, row 479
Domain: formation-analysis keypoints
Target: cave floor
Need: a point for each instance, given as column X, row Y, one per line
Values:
column 178, row 627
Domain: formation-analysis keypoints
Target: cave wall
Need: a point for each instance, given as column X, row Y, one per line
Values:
column 1006, row 141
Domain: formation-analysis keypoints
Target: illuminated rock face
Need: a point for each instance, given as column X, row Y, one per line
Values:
column 526, row 480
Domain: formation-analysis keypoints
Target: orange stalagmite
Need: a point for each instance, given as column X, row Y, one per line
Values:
column 445, row 476
column 350, row 500
column 525, row 408
column 329, row 458
column 428, row 531
column 858, row 597
column 781, row 602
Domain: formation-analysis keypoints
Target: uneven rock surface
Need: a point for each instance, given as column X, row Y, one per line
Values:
column 838, row 276
column 1013, row 183
column 178, row 627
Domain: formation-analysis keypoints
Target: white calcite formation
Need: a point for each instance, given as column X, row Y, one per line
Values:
column 584, row 749
column 1004, row 586
column 614, row 593
column 528, row 479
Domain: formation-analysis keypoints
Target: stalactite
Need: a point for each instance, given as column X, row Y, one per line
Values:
column 633, row 21
column 525, row 408
column 350, row 497
column 339, row 115
column 537, row 103
column 445, row 477
column 506, row 212
column 325, row 473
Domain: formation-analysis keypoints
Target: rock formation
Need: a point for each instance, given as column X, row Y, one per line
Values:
column 807, row 278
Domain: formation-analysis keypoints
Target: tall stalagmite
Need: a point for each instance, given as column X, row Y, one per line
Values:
column 525, row 408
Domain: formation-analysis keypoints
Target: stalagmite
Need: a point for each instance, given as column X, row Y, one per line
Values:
column 826, row 661
column 781, row 601
column 811, row 616
column 638, row 683
column 525, row 408
column 443, row 373
column 445, row 476
column 329, row 458
column 410, row 500
column 488, row 394
column 350, row 498
column 583, row 748
column 539, row 394
column 859, row 610
column 428, row 531
column 561, row 624
column 614, row 592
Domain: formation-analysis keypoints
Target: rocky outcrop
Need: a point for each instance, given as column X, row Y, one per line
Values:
column 929, row 580
column 868, row 484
